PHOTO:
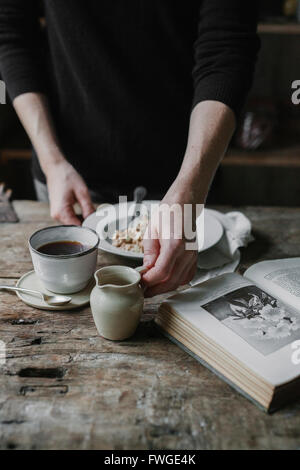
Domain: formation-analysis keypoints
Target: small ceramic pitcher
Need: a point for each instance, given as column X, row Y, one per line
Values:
column 117, row 301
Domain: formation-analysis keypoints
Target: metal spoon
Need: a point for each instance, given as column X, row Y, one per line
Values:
column 139, row 195
column 54, row 300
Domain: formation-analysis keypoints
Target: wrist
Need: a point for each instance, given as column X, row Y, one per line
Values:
column 51, row 161
column 191, row 187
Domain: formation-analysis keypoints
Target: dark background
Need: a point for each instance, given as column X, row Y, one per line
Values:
column 268, row 175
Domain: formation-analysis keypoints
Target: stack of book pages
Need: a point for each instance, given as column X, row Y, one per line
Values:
column 246, row 329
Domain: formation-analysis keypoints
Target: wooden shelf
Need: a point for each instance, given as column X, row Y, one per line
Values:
column 14, row 154
column 283, row 157
column 279, row 28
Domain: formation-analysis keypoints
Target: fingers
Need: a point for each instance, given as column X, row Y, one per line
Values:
column 66, row 216
column 66, row 187
column 170, row 284
column 151, row 252
column 164, row 264
column 84, row 199
column 182, row 273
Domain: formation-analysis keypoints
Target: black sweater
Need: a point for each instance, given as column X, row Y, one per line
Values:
column 123, row 75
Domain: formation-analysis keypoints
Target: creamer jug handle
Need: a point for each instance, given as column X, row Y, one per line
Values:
column 142, row 270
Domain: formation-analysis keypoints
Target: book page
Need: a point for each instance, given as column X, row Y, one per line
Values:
column 245, row 320
column 280, row 278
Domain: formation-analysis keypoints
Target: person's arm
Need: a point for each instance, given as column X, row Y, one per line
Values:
column 170, row 264
column 21, row 67
column 225, row 55
column 65, row 185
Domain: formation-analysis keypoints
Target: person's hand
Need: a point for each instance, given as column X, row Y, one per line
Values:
column 170, row 264
column 66, row 187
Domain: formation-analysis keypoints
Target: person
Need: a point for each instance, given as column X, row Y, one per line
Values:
column 117, row 94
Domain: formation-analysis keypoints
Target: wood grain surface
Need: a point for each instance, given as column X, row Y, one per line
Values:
column 64, row 387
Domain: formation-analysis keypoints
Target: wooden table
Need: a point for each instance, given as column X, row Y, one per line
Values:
column 64, row 387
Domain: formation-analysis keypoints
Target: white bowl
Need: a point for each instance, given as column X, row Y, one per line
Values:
column 209, row 229
column 65, row 274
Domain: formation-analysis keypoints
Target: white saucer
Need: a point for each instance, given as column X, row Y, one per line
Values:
column 31, row 281
column 100, row 220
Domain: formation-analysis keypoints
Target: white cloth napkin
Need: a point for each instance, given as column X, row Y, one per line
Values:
column 225, row 256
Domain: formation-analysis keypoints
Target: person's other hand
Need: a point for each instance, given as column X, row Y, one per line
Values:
column 66, row 187
column 170, row 264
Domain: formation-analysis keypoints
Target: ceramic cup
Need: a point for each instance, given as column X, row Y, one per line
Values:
column 65, row 274
column 117, row 301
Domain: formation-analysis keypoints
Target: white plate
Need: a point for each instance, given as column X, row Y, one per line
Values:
column 31, row 281
column 102, row 221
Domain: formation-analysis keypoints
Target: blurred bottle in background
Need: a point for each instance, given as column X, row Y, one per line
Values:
column 290, row 8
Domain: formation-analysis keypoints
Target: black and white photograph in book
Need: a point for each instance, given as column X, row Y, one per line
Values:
column 261, row 320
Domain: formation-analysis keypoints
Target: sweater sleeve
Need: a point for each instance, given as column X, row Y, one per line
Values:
column 225, row 51
column 20, row 59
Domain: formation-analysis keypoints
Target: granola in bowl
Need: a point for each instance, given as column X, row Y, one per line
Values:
column 131, row 238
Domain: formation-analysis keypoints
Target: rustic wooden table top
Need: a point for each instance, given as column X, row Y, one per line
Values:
column 64, row 387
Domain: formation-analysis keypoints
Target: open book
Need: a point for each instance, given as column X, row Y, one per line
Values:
column 244, row 328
